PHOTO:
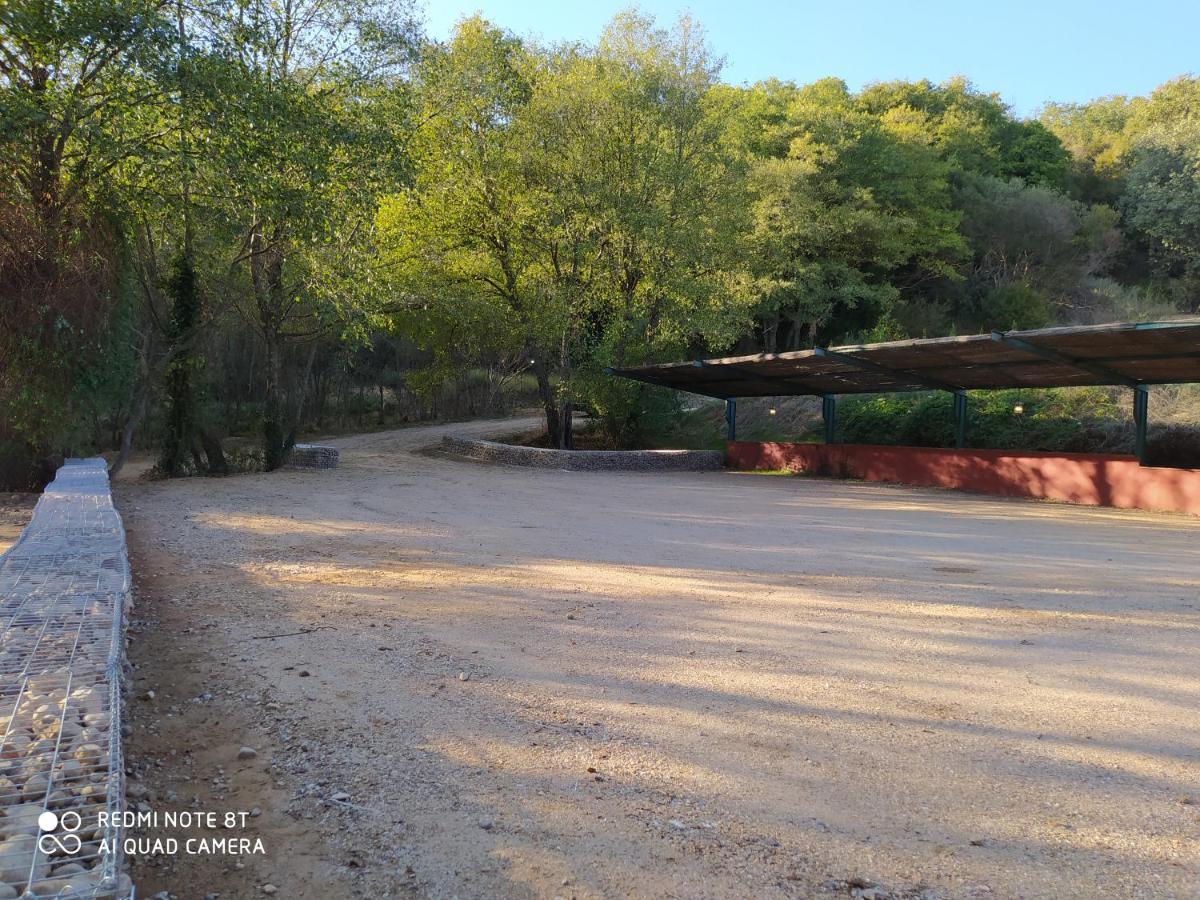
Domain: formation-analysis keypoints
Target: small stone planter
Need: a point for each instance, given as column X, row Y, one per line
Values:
column 584, row 460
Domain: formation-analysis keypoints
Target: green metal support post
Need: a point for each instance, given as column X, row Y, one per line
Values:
column 829, row 414
column 731, row 419
column 1141, row 406
column 960, row 419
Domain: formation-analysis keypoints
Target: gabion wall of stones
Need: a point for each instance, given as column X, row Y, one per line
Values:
column 64, row 586
column 583, row 460
column 314, row 456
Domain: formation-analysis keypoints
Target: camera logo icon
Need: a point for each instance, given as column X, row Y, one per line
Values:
column 67, row 841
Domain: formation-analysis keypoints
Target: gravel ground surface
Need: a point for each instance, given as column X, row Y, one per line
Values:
column 463, row 680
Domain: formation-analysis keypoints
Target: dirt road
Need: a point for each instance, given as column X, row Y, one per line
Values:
column 474, row 681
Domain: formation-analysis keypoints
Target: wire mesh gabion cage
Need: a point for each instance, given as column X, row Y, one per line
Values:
column 313, row 456
column 64, row 586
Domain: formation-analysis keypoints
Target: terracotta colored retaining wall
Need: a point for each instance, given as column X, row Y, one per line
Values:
column 1090, row 478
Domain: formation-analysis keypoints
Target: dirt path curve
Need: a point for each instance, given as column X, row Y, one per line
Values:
column 521, row 683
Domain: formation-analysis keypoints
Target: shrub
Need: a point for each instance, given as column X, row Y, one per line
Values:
column 1176, row 446
column 1016, row 305
column 627, row 414
column 873, row 420
column 1079, row 420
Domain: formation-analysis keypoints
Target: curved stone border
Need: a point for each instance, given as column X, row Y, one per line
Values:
column 64, row 588
column 584, row 460
column 313, row 456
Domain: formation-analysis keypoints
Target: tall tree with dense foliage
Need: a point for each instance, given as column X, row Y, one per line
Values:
column 78, row 92
column 975, row 131
column 1095, row 135
column 1133, row 154
column 297, row 196
column 456, row 238
column 855, row 208
column 1032, row 249
column 1162, row 197
column 651, row 196
column 576, row 203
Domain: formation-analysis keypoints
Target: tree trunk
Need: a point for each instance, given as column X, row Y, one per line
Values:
column 770, row 334
column 323, row 401
column 197, row 455
column 546, row 394
column 301, row 396
column 212, row 450
column 136, row 415
column 566, row 438
column 273, row 434
column 182, row 361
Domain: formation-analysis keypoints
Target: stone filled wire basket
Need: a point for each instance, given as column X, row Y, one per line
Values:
column 63, row 590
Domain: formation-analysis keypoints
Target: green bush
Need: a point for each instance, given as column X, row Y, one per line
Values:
column 1016, row 305
column 1176, row 446
column 627, row 413
column 874, row 419
column 1076, row 420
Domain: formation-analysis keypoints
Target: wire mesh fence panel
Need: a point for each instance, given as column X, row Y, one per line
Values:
column 63, row 589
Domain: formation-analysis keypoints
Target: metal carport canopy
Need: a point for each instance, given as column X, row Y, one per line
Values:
column 1126, row 353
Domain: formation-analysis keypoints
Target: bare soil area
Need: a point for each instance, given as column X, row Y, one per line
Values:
column 16, row 509
column 463, row 680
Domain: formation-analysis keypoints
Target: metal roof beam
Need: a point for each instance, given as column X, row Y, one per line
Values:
column 869, row 366
column 1100, row 371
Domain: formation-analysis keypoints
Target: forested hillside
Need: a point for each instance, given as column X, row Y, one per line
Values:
column 237, row 220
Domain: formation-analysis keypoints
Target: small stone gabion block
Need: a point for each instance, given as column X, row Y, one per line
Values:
column 583, row 460
column 314, row 456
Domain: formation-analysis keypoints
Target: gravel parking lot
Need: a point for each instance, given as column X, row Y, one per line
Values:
column 471, row 680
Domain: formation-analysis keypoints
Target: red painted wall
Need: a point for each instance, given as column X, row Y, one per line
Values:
column 1089, row 478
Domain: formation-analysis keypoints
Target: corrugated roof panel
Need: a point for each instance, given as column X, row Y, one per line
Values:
column 1148, row 352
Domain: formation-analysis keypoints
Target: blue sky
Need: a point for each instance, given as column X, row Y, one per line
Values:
column 1028, row 52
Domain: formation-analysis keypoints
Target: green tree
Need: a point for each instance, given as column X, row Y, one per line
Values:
column 1033, row 248
column 857, row 211
column 1095, row 135
column 572, row 205
column 1162, row 196
column 975, row 131
column 1172, row 102
column 649, row 202
column 79, row 93
column 306, row 124
column 455, row 237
